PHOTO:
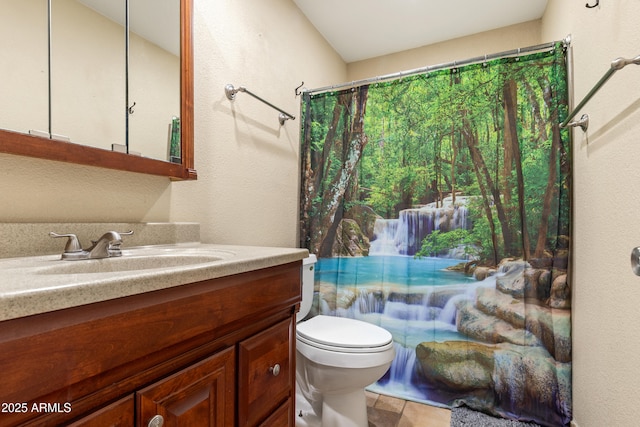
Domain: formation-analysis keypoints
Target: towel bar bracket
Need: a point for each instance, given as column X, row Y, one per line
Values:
column 583, row 123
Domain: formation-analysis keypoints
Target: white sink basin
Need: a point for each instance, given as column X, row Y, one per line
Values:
column 138, row 259
column 127, row 264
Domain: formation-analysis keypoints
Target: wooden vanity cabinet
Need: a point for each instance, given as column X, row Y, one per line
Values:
column 214, row 353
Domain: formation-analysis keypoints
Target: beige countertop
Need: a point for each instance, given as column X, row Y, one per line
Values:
column 39, row 284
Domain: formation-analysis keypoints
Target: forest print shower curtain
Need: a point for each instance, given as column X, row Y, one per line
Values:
column 439, row 206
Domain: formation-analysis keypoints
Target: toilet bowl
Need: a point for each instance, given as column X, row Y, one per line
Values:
column 336, row 359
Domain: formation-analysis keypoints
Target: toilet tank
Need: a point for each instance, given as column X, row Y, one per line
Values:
column 307, row 277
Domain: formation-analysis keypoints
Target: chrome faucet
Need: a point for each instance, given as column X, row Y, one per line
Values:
column 108, row 245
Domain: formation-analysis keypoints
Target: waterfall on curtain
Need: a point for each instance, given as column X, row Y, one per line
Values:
column 438, row 205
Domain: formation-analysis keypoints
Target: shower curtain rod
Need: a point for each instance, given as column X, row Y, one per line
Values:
column 515, row 52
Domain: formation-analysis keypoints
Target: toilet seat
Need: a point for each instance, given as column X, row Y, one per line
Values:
column 340, row 342
column 344, row 335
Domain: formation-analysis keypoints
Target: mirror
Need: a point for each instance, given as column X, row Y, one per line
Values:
column 85, row 123
column 154, row 78
column 24, row 77
column 88, row 72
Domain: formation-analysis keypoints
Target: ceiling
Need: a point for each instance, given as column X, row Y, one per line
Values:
column 362, row 29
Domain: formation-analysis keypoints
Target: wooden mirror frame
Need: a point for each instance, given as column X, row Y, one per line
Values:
column 44, row 148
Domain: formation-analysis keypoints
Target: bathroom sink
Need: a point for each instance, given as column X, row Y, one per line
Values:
column 43, row 283
column 146, row 260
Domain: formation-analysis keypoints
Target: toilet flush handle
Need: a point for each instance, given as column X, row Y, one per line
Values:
column 275, row 369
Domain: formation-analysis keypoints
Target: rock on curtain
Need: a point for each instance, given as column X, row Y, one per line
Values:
column 439, row 207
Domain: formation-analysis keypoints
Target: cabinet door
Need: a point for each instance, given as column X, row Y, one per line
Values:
column 201, row 395
column 265, row 373
column 118, row 414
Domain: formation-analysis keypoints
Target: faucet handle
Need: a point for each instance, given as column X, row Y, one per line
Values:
column 73, row 245
column 116, row 246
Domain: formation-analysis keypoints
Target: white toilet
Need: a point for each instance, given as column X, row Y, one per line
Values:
column 336, row 359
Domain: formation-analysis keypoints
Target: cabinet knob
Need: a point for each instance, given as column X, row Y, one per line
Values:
column 156, row 421
column 275, row 369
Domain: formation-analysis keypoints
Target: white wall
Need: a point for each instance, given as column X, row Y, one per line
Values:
column 606, row 295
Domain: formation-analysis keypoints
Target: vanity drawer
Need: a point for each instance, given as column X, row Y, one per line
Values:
column 281, row 417
column 265, row 373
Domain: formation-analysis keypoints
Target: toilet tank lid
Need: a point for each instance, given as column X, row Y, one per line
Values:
column 343, row 332
column 311, row 259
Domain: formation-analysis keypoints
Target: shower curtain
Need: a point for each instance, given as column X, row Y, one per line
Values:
column 439, row 206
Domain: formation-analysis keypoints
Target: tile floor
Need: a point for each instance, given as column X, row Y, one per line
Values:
column 386, row 411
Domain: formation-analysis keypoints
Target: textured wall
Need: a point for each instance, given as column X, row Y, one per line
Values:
column 606, row 294
column 247, row 188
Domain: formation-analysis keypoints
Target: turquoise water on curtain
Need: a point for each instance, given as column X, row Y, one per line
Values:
column 413, row 298
column 391, row 269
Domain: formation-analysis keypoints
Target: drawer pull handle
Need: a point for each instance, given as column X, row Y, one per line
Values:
column 275, row 370
column 156, row 421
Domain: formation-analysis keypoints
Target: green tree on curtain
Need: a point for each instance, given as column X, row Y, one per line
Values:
column 351, row 107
